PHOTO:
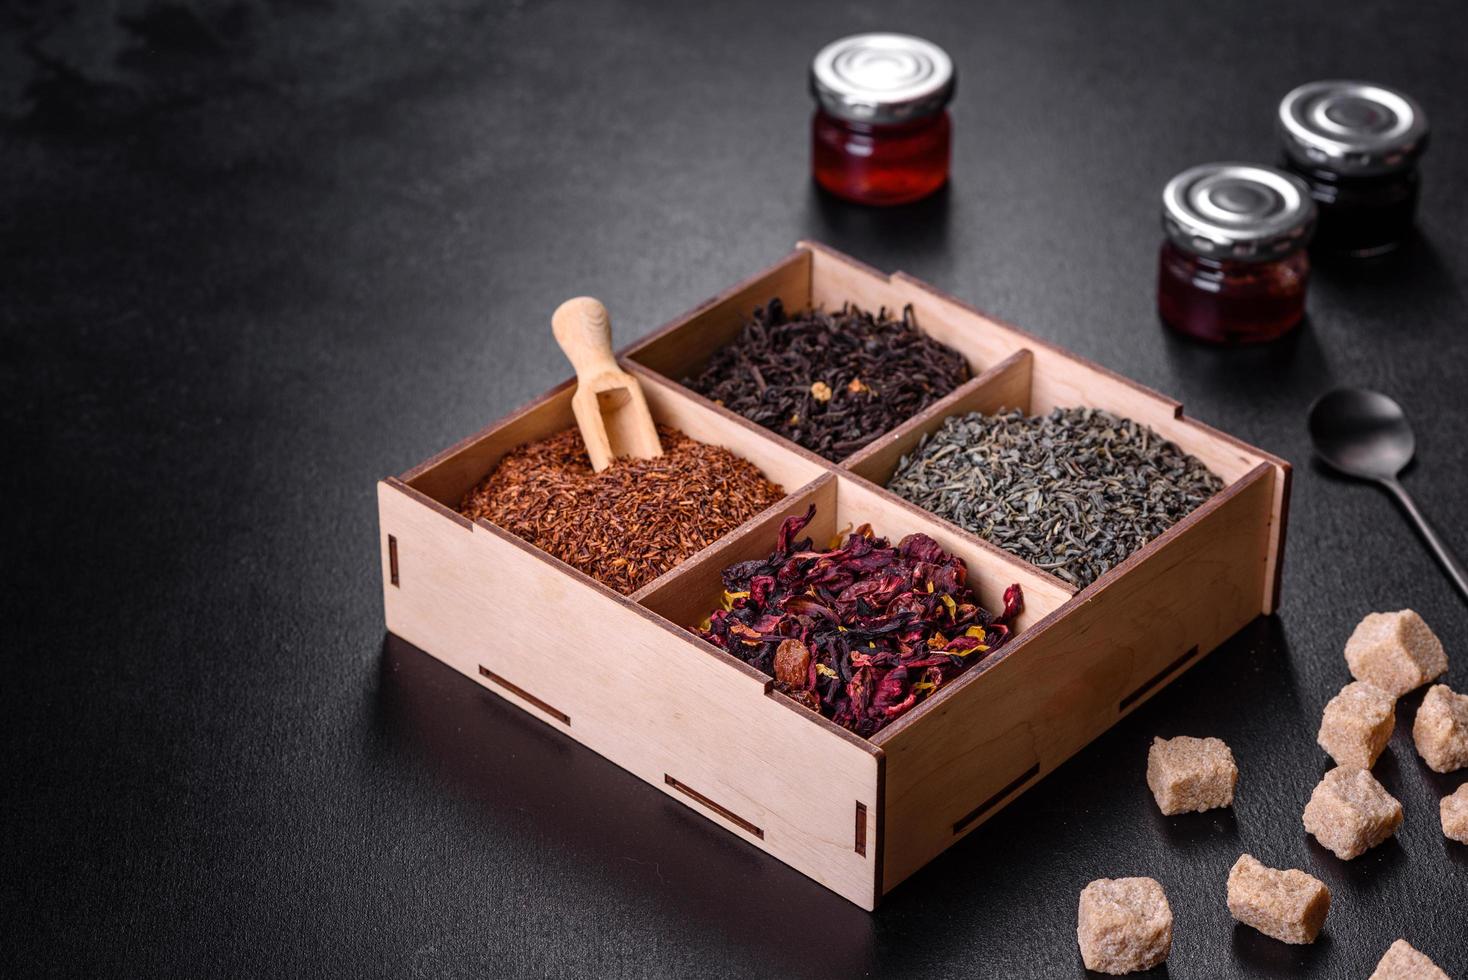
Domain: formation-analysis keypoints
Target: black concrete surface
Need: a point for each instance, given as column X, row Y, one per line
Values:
column 255, row 255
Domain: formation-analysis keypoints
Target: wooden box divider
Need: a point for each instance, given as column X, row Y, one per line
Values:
column 682, row 347
column 690, row 592
column 452, row 473
column 1076, row 672
column 1005, row 385
column 625, row 676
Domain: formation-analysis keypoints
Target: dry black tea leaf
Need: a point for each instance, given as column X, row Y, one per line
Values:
column 831, row 382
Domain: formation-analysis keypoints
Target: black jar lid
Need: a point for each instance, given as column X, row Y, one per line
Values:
column 1237, row 211
column 882, row 78
column 1355, row 129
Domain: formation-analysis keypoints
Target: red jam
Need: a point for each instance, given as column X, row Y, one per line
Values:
column 881, row 131
column 1231, row 302
column 880, row 164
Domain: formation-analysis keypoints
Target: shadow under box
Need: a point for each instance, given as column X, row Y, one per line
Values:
column 624, row 676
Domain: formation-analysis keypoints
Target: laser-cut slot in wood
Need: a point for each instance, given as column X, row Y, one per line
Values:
column 718, row 808
column 392, row 557
column 606, row 661
column 1077, row 662
column 525, row 695
column 1157, row 678
column 962, row 822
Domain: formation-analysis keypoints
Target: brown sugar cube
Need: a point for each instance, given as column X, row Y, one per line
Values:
column 1357, row 724
column 1402, row 962
column 1395, row 651
column 1350, row 812
column 1124, row 924
column 1454, row 812
column 1441, row 729
column 1286, row 905
column 1190, row 775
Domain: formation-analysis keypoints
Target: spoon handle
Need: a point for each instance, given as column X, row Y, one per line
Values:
column 1439, row 549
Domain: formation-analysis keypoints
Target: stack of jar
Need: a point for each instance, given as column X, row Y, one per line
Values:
column 1234, row 266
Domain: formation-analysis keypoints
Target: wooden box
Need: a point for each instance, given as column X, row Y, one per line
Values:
column 623, row 676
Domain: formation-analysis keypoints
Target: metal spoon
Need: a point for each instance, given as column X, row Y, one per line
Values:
column 1365, row 434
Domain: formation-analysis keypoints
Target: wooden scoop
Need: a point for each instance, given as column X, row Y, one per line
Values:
column 609, row 405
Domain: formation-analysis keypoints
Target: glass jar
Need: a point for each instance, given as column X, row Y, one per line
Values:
column 1233, row 267
column 1357, row 146
column 881, row 133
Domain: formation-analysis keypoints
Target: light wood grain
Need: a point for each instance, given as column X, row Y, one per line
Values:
column 624, row 677
column 1005, row 385
column 690, row 592
column 1059, row 378
column 634, row 690
column 838, row 279
column 448, row 476
column 682, row 347
column 609, row 406
column 990, row 570
column 1063, row 682
column 786, row 465
column 1062, row 379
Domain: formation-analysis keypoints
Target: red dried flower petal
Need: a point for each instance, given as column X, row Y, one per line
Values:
column 882, row 627
column 1014, row 602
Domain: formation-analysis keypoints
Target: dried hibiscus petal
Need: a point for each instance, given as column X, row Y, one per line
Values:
column 789, row 529
column 1014, row 602
column 862, row 631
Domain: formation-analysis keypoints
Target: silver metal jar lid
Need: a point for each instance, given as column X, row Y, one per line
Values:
column 882, row 78
column 1238, row 211
column 1351, row 128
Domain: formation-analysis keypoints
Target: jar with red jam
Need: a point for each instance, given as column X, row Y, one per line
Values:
column 1356, row 145
column 1234, row 268
column 881, row 132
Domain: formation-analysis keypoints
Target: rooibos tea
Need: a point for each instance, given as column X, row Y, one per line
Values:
column 860, row 633
column 631, row 522
column 1073, row 492
column 831, row 382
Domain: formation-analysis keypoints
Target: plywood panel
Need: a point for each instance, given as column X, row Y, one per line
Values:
column 1005, row 385
column 627, row 685
column 838, row 279
column 622, row 676
column 1072, row 676
column 683, row 346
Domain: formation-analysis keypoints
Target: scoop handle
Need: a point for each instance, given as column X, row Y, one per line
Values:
column 610, row 408
column 584, row 331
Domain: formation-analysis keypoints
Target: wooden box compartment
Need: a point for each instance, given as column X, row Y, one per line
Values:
column 623, row 676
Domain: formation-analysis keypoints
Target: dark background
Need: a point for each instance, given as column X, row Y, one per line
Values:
column 256, row 255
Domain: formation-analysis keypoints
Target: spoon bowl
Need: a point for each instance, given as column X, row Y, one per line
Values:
column 1361, row 433
column 1365, row 434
